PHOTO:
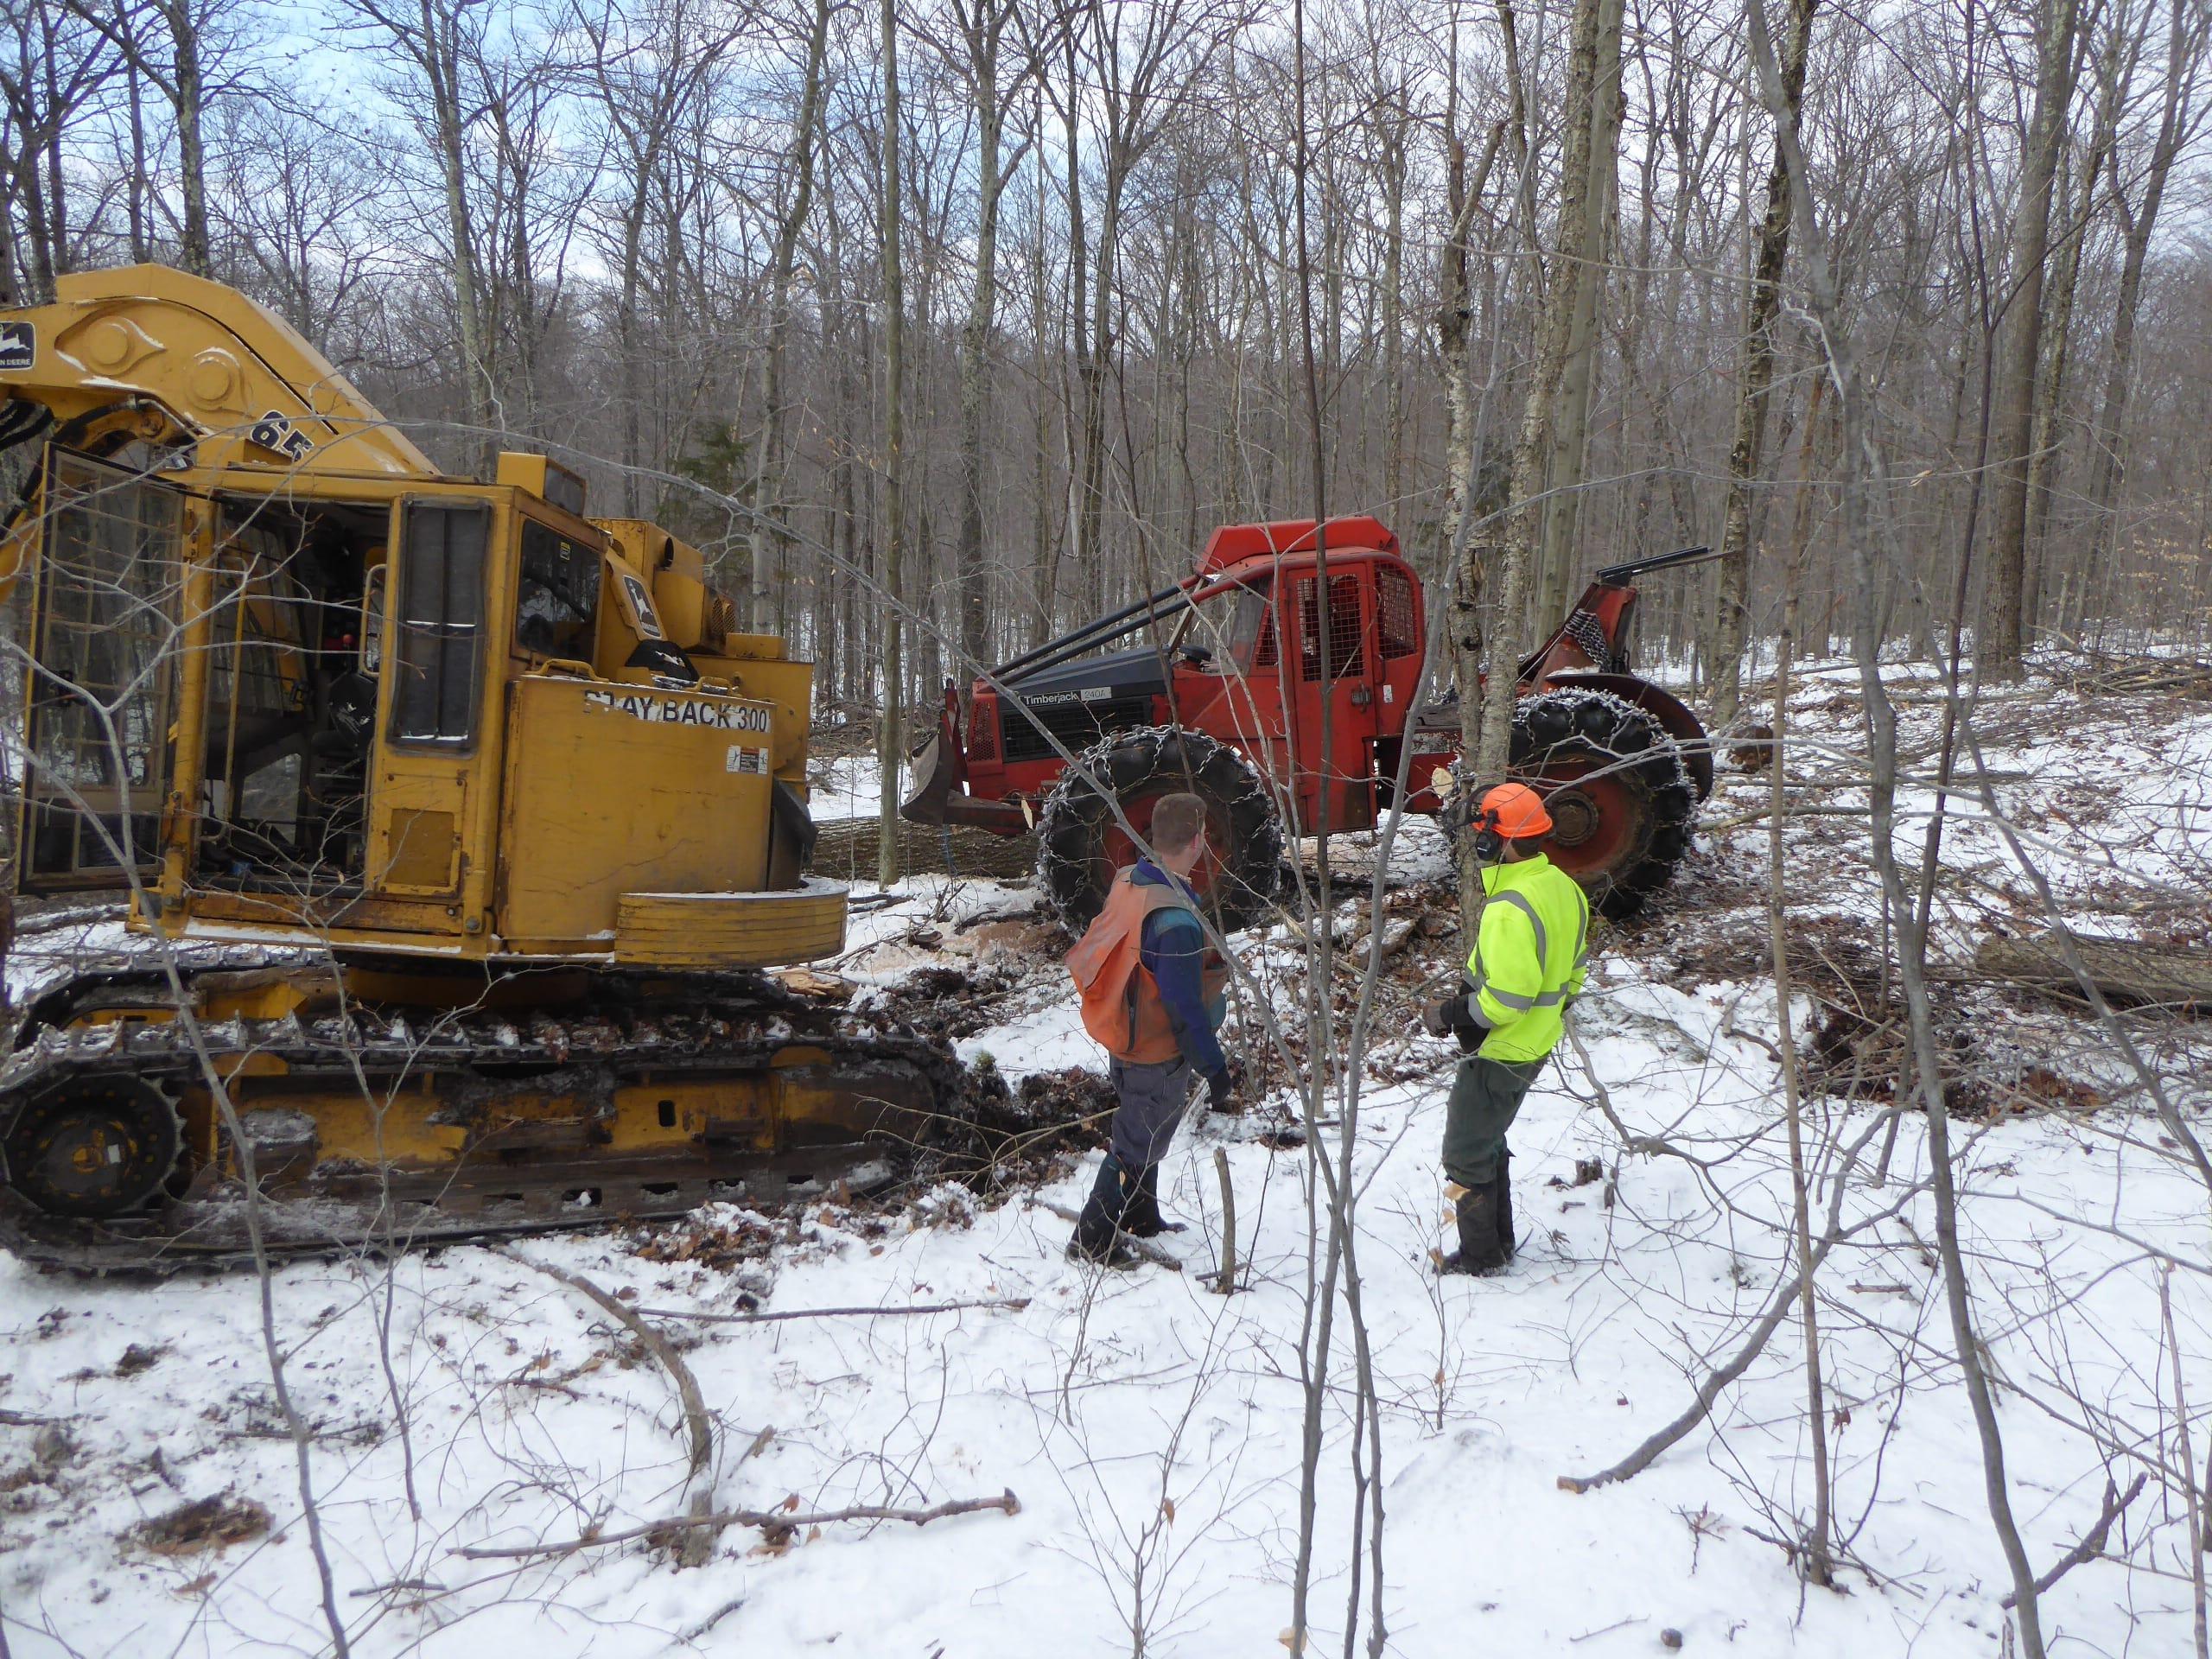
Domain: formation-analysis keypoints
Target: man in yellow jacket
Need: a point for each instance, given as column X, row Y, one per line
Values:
column 1530, row 956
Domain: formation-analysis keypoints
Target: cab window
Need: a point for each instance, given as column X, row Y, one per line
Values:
column 556, row 601
column 1252, row 628
column 439, row 620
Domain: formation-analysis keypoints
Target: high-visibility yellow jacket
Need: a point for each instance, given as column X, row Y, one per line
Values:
column 1531, row 954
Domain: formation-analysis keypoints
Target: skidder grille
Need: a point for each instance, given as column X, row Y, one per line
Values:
column 1078, row 725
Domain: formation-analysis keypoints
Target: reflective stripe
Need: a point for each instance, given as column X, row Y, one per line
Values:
column 1513, row 1000
column 1520, row 902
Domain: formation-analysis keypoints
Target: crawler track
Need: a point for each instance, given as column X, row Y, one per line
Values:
column 482, row 1078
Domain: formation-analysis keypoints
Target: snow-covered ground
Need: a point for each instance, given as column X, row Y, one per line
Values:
column 1150, row 1426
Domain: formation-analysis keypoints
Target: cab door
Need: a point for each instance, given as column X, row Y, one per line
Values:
column 1337, row 788
column 108, row 557
column 427, row 764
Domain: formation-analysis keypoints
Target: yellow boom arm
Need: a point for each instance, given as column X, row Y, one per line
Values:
column 223, row 373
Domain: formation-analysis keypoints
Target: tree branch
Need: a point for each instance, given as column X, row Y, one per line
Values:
column 772, row 1520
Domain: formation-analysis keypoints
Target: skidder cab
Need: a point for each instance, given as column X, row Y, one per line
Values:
column 463, row 814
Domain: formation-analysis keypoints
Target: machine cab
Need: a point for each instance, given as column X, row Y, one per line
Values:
column 1312, row 690
column 383, row 708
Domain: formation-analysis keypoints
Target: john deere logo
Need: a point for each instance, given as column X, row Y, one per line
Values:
column 18, row 345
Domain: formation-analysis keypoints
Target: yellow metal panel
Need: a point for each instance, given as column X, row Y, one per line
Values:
column 758, row 930
column 610, row 788
column 734, row 1109
column 682, row 601
column 754, row 647
column 363, row 923
column 421, row 849
column 789, row 685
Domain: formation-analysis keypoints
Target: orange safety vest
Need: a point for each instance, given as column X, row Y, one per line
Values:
column 1120, row 999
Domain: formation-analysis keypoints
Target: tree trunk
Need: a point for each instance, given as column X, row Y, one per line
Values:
column 890, row 733
column 1562, row 512
column 188, row 97
column 135, row 186
column 975, row 344
column 1996, row 647
column 2187, row 33
column 1459, row 568
column 1393, row 320
column 1865, row 481
column 1732, row 624
column 769, row 534
column 1533, row 452
column 2114, row 78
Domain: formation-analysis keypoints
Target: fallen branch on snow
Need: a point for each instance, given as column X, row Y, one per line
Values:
column 1718, row 1381
column 697, row 1427
column 771, row 1521
column 1016, row 1303
column 2092, row 1541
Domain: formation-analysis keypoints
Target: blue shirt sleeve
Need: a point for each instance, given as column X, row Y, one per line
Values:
column 1174, row 950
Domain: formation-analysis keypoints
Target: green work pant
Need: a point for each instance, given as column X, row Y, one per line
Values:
column 1486, row 1096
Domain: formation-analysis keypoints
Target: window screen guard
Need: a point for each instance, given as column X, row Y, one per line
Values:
column 1347, row 633
column 106, row 650
column 439, row 624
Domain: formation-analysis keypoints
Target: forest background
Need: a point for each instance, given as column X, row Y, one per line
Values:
column 1539, row 255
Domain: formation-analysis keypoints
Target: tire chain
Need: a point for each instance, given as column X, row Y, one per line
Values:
column 1651, row 872
column 1056, row 873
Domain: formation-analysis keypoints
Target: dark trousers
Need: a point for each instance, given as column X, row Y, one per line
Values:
column 1486, row 1097
column 1152, row 1102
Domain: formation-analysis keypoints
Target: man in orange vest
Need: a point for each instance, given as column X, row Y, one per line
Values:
column 1152, row 995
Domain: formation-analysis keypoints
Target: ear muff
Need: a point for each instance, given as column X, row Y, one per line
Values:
column 1490, row 845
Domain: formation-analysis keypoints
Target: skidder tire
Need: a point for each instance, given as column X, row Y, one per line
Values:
column 1082, row 846
column 1616, row 789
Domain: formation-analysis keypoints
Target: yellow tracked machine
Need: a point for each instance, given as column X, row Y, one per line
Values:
column 459, row 828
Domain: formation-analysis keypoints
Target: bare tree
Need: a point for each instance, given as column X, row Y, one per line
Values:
column 1732, row 619
column 1998, row 644
column 890, row 743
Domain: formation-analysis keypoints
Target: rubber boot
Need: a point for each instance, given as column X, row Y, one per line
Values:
column 1098, row 1228
column 1142, row 1218
column 1505, row 1186
column 1481, row 1250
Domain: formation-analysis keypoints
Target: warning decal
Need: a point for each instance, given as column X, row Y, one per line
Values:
column 751, row 761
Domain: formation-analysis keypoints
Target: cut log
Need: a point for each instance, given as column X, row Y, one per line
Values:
column 2126, row 970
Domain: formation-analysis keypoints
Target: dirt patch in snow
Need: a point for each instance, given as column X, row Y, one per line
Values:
column 214, row 1523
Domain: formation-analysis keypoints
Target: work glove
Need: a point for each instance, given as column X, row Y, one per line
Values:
column 1217, row 1091
column 1452, row 1016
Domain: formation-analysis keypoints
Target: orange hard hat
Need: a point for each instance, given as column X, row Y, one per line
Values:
column 1515, row 810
